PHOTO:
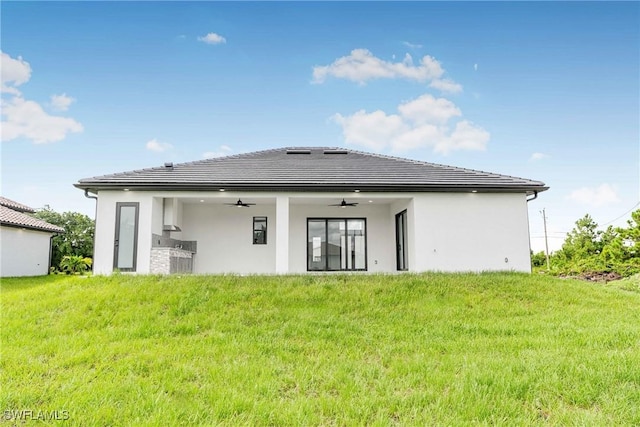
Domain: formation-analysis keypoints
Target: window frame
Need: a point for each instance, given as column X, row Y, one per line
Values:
column 326, row 233
column 266, row 227
column 402, row 258
column 116, row 240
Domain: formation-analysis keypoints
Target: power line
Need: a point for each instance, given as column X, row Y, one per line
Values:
column 546, row 242
column 614, row 220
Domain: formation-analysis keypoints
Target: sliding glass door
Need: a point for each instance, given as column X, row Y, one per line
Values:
column 336, row 244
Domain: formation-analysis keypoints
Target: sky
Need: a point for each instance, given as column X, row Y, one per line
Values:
column 542, row 90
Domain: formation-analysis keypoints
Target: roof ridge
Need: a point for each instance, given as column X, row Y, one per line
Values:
column 192, row 162
column 440, row 165
column 274, row 168
column 229, row 156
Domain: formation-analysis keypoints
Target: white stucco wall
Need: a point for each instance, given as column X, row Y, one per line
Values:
column 225, row 238
column 23, row 252
column 446, row 231
column 106, row 228
column 471, row 232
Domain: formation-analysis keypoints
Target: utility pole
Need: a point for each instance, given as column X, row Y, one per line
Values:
column 546, row 242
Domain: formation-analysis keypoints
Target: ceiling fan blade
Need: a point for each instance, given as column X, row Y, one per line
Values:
column 239, row 204
column 344, row 204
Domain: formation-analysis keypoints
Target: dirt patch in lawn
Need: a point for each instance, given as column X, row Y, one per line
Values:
column 600, row 277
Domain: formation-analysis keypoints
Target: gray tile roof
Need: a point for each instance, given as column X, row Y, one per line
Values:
column 15, row 205
column 312, row 168
column 14, row 218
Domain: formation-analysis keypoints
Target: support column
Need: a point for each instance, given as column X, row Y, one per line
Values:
column 282, row 234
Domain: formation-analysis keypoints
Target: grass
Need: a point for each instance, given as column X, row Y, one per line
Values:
column 631, row 283
column 436, row 349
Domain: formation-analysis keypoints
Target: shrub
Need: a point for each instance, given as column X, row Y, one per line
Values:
column 75, row 264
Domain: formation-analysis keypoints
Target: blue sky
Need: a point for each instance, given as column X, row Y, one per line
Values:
column 547, row 91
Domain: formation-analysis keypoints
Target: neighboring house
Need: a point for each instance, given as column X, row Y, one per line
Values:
column 25, row 242
column 296, row 210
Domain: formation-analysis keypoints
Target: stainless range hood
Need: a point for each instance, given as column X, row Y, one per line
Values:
column 170, row 215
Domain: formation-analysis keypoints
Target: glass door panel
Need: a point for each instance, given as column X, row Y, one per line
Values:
column 316, row 245
column 336, row 253
column 356, row 259
column 125, row 245
column 401, row 241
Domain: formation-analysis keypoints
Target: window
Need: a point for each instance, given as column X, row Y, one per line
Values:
column 259, row 230
column 336, row 244
column 126, row 239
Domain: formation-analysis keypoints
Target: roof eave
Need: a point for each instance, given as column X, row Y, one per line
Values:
column 31, row 227
column 94, row 187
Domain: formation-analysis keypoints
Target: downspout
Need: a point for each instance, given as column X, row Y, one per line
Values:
column 535, row 196
column 50, row 252
column 95, row 222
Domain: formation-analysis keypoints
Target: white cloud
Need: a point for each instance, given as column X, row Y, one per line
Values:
column 412, row 45
column 374, row 130
column 417, row 137
column 465, row 136
column 537, row 156
column 13, row 72
column 427, row 109
column 212, row 38
column 61, row 102
column 157, row 146
column 361, row 65
column 475, row 67
column 421, row 122
column 446, row 85
column 223, row 150
column 595, row 196
column 23, row 118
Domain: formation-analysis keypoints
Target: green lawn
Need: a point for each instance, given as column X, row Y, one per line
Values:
column 435, row 349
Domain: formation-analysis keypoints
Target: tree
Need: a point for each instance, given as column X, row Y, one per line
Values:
column 632, row 233
column 589, row 250
column 538, row 259
column 623, row 249
column 77, row 239
column 581, row 242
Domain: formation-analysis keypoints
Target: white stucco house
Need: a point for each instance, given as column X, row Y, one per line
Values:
column 25, row 242
column 298, row 210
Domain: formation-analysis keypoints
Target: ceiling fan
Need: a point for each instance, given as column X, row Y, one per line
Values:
column 344, row 204
column 239, row 204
